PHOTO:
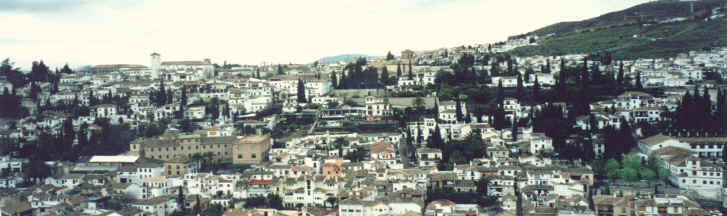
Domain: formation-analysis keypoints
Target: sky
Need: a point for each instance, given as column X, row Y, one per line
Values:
column 90, row 32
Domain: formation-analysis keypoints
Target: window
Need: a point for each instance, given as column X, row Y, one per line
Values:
column 254, row 156
column 239, row 156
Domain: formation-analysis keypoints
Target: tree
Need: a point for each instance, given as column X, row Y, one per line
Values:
column 66, row 69
column 197, row 209
column 214, row 210
column 561, row 86
column 39, row 72
column 359, row 154
column 180, row 201
column 519, row 211
column 274, row 201
column 280, row 70
column 301, row 92
column 482, row 184
column 458, row 109
column 536, row 89
column 389, row 56
column 411, row 71
column 384, row 75
column 629, row 174
column 257, row 73
column 612, row 168
column 398, row 70
column 182, row 103
column 419, row 103
column 410, row 75
column 520, row 88
column 13, row 75
column 334, row 80
column 638, row 80
column 547, row 66
column 162, row 95
column 620, row 76
column 435, row 140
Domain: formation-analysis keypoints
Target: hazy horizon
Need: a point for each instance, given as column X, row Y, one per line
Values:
column 89, row 32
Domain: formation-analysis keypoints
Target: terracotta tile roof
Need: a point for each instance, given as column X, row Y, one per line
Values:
column 382, row 147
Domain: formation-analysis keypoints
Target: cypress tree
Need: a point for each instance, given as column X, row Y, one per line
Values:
column 536, row 89
column 458, row 109
column 334, row 80
column 398, row 70
column 520, row 88
column 411, row 74
column 638, row 80
column 435, row 140
column 181, row 202
column 547, row 66
column 410, row 67
column 620, row 76
column 162, row 97
column 384, row 75
column 301, row 92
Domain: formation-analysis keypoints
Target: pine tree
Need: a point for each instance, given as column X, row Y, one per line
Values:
column 301, row 92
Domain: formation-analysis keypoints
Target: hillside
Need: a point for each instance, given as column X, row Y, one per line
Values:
column 622, row 34
column 344, row 57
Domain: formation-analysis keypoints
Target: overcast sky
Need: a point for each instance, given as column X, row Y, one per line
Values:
column 87, row 32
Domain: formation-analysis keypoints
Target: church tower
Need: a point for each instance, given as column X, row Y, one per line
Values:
column 155, row 65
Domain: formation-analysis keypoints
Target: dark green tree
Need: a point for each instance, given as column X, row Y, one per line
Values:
column 620, row 76
column 384, row 76
column 280, row 70
column 66, row 69
column 180, row 201
column 301, row 92
column 398, row 70
column 334, row 80
column 638, row 80
column 520, row 88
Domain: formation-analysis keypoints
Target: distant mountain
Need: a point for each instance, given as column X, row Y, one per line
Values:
column 344, row 57
column 655, row 29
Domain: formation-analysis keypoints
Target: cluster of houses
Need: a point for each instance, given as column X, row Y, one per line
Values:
column 313, row 173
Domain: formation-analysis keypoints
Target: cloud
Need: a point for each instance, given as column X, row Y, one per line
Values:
column 41, row 6
column 84, row 32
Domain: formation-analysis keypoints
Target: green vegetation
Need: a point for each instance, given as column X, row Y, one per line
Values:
column 632, row 168
column 635, row 41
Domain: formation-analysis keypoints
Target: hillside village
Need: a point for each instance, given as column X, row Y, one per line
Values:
column 468, row 130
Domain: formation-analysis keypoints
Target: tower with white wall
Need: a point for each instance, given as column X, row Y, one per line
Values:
column 156, row 62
